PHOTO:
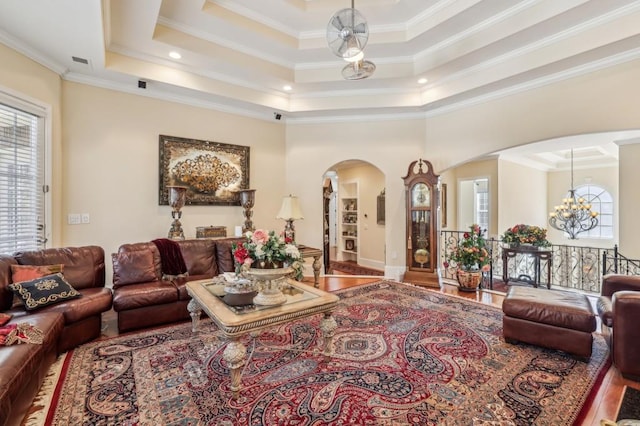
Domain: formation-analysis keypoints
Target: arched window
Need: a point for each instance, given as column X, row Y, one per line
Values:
column 601, row 202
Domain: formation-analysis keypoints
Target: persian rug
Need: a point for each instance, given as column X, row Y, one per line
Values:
column 403, row 355
column 630, row 405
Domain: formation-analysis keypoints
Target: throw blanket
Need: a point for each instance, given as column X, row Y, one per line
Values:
column 171, row 257
column 20, row 333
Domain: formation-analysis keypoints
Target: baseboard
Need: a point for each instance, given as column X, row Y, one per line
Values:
column 373, row 264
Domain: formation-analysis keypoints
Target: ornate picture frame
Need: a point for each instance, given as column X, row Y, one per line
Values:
column 213, row 172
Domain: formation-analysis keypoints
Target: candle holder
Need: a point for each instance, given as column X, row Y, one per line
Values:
column 247, row 199
column 177, row 199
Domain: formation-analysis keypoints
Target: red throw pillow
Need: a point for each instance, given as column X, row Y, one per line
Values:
column 4, row 318
column 21, row 273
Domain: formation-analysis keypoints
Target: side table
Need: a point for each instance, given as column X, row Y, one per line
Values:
column 316, row 254
column 509, row 253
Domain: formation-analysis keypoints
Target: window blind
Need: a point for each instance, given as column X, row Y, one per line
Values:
column 22, row 201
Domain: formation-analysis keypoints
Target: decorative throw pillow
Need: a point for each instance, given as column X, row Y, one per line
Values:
column 30, row 272
column 4, row 318
column 44, row 291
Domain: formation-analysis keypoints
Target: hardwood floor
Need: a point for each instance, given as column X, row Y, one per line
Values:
column 605, row 404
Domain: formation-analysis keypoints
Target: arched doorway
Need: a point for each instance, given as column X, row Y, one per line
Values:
column 354, row 228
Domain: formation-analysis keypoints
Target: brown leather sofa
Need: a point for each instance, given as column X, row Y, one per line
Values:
column 619, row 309
column 143, row 296
column 65, row 325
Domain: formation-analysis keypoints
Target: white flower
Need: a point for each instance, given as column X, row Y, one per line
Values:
column 292, row 251
column 259, row 251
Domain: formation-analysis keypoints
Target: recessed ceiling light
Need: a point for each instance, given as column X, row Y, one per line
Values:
column 175, row 55
column 422, row 81
column 287, row 88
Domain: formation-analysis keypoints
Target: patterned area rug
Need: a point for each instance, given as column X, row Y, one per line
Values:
column 403, row 356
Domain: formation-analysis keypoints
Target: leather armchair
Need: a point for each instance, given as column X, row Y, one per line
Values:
column 619, row 309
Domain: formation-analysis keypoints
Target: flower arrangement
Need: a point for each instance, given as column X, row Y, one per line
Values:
column 526, row 234
column 471, row 251
column 265, row 246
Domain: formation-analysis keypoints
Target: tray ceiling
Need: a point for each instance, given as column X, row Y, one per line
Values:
column 238, row 55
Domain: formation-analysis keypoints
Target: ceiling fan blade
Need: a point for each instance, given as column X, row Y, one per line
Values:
column 337, row 23
column 361, row 28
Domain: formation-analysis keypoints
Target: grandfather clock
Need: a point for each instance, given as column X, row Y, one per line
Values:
column 421, row 195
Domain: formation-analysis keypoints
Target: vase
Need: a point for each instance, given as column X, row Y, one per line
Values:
column 247, row 200
column 468, row 280
column 177, row 200
column 268, row 283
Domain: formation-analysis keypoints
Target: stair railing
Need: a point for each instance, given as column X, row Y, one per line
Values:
column 572, row 267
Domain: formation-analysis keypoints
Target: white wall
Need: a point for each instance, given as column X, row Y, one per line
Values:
column 629, row 200
column 522, row 196
column 469, row 171
column 111, row 166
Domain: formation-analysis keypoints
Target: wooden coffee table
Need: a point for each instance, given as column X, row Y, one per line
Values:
column 302, row 301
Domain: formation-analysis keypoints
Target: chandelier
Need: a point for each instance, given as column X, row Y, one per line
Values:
column 347, row 35
column 574, row 215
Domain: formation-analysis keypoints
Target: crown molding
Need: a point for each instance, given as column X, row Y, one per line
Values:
column 169, row 97
column 540, row 82
column 178, row 26
column 32, row 54
column 224, row 78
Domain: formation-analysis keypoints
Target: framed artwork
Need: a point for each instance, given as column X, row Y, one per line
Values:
column 213, row 172
column 444, row 205
column 349, row 245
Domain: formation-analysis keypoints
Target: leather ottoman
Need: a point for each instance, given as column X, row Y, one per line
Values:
column 552, row 319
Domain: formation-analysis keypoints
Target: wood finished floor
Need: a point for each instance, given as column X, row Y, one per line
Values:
column 604, row 405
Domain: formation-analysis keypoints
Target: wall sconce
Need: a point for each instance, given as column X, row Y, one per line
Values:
column 290, row 211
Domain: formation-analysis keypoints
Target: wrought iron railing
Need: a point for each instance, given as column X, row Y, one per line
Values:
column 572, row 267
column 615, row 263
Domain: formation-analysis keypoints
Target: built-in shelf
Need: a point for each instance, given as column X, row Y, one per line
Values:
column 349, row 221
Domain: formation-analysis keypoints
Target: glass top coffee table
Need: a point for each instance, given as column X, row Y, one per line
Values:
column 302, row 301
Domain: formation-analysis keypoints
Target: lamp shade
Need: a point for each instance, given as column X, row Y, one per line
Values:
column 290, row 209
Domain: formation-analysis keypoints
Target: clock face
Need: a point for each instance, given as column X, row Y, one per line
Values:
column 420, row 195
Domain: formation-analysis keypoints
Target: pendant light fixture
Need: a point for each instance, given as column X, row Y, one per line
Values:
column 574, row 215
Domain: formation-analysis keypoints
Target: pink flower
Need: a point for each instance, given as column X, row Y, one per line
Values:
column 260, row 236
column 485, row 268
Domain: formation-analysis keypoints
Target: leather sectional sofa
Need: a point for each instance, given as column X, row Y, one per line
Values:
column 65, row 325
column 144, row 295
column 619, row 309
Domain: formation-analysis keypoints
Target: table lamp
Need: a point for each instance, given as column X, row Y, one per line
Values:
column 290, row 211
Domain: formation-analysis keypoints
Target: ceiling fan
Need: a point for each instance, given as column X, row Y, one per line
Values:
column 347, row 35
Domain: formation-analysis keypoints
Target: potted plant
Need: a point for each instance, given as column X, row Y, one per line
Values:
column 264, row 249
column 470, row 258
column 526, row 235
